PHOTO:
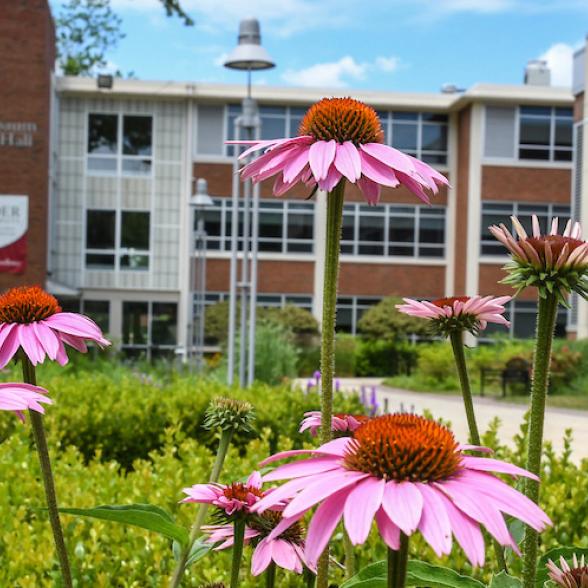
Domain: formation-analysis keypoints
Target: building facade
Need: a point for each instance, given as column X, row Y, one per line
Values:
column 125, row 159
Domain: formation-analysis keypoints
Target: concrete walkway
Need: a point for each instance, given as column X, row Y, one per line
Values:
column 450, row 408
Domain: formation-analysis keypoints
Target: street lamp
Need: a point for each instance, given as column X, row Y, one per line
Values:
column 199, row 202
column 248, row 56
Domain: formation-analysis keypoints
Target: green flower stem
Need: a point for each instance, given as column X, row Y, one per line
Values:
column 334, row 222
column 238, row 536
column 456, row 338
column 270, row 576
column 546, row 317
column 309, row 578
column 29, row 376
column 221, row 453
column 397, row 564
column 349, row 555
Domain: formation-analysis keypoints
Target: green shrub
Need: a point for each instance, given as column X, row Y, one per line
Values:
column 345, row 354
column 385, row 358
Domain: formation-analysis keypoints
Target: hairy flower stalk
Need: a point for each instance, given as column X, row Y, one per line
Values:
column 556, row 265
column 340, row 139
column 29, row 376
column 229, row 416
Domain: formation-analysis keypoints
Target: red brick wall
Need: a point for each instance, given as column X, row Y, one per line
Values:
column 27, row 55
column 490, row 275
column 579, row 107
column 526, row 184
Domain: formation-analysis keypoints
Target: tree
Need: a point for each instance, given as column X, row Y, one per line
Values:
column 86, row 30
column 383, row 322
column 172, row 7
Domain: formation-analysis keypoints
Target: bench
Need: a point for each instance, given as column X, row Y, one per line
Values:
column 516, row 371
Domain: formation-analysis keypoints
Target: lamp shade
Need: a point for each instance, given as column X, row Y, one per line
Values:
column 249, row 54
column 201, row 199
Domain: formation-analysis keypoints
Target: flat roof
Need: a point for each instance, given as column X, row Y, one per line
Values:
column 208, row 92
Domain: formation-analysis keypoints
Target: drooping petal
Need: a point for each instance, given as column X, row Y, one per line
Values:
column 361, row 505
column 403, row 503
column 320, row 157
column 262, row 557
column 434, row 523
column 348, row 161
column 389, row 532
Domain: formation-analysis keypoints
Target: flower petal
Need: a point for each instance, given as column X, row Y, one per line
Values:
column 360, row 508
column 320, row 157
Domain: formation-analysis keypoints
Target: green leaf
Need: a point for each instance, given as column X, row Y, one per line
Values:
column 503, row 580
column 146, row 516
column 419, row 574
column 554, row 554
column 198, row 551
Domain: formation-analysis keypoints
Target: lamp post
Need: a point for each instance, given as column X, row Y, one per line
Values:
column 248, row 56
column 199, row 202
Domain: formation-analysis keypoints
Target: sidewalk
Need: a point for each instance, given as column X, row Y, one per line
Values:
column 450, row 408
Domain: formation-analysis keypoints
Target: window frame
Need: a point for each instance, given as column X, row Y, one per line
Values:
column 118, row 251
column 119, row 157
column 551, row 147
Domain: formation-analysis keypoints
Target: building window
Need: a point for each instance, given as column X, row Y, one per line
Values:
column 276, row 122
column 284, row 226
column 125, row 246
column 350, row 309
column 150, row 329
column 120, row 144
column 421, row 134
column 495, row 213
column 545, row 133
column 99, row 312
column 393, row 230
column 522, row 315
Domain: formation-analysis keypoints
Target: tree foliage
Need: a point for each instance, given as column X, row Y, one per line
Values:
column 384, row 322
column 86, row 31
column 173, row 8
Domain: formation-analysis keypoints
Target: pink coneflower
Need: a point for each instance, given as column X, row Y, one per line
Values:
column 548, row 262
column 236, row 497
column 566, row 576
column 340, row 138
column 276, row 539
column 32, row 319
column 340, row 423
column 459, row 313
column 409, row 474
column 21, row 397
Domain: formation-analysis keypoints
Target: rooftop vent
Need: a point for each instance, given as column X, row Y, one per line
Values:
column 451, row 89
column 537, row 73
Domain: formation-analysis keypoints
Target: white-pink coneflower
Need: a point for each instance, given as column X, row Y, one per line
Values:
column 408, row 473
column 20, row 397
column 340, row 138
column 551, row 263
column 458, row 313
column 340, row 423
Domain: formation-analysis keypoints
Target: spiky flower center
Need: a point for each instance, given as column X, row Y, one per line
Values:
column 267, row 521
column 404, row 447
column 27, row 304
column 556, row 243
column 241, row 492
column 441, row 302
column 342, row 119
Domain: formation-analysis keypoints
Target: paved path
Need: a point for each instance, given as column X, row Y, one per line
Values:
column 451, row 408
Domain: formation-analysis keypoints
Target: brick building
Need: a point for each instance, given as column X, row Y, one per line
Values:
column 126, row 160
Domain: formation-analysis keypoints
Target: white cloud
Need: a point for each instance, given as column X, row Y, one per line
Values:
column 338, row 74
column 559, row 59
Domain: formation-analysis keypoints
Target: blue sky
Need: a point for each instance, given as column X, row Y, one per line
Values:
column 397, row 45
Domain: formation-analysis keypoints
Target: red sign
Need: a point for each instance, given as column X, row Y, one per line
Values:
column 14, row 224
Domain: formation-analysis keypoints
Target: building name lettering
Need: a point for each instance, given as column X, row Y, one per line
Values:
column 17, row 134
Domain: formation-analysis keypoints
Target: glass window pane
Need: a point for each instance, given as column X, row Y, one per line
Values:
column 534, row 154
column 99, row 312
column 69, row 304
column 102, row 133
column 566, row 112
column 434, row 158
column 134, row 262
column 273, row 128
column 275, row 110
column 405, row 116
column 348, row 227
column 212, row 222
column 100, row 229
column 295, row 122
column 100, row 261
column 404, row 137
column 536, row 110
column 164, row 324
column 434, row 137
column 425, row 251
column 562, row 155
column 344, row 320
column 102, row 164
column 434, row 117
column 137, row 131
column 524, row 323
column 136, row 166
column 300, row 226
column 432, row 230
column 401, row 229
column 563, row 133
column 135, row 325
column 134, row 232
column 270, row 225
column 371, row 228
column 401, row 250
column 534, row 131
